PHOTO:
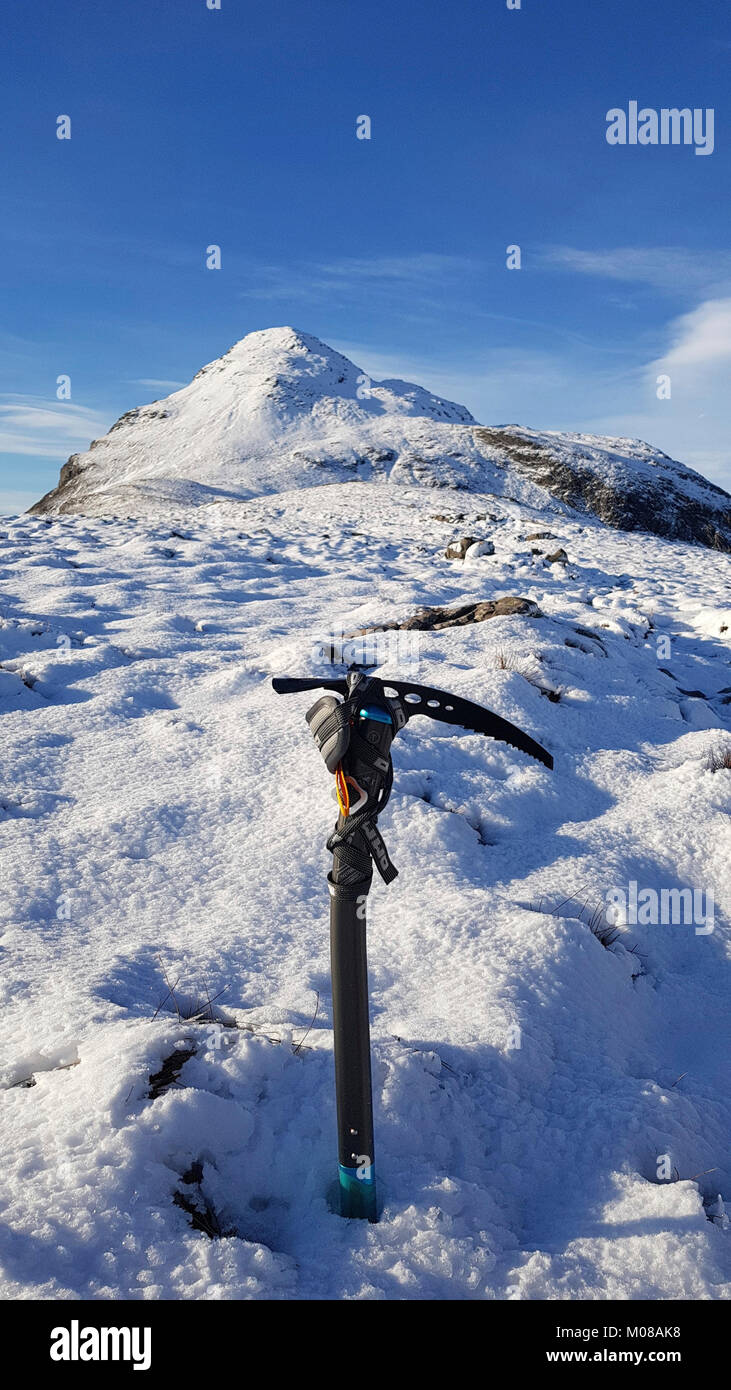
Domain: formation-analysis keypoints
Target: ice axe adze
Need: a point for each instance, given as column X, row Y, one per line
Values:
column 354, row 736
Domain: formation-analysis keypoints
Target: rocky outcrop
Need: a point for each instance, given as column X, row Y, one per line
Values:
column 469, row 545
column 629, row 486
column 434, row 619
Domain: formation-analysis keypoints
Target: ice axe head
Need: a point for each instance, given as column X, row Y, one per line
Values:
column 403, row 700
column 354, row 736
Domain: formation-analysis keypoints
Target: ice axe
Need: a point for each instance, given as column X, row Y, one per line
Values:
column 354, row 736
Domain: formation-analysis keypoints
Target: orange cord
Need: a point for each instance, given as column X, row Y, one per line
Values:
column 341, row 791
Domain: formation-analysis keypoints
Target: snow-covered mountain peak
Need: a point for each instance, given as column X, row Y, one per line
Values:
column 275, row 358
column 283, row 410
column 292, row 373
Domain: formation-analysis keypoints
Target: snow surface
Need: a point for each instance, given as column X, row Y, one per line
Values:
column 162, row 823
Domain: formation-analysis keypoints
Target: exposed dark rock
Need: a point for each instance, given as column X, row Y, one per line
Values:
column 169, row 1072
column 506, row 606
column 559, row 557
column 434, row 619
column 126, row 419
column 626, row 499
column 70, row 471
column 458, row 549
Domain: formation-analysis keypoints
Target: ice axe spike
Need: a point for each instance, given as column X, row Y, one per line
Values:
column 354, row 736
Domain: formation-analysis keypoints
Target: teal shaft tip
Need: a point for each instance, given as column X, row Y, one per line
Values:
column 357, row 1194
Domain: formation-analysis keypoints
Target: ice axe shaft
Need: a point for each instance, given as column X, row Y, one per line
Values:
column 352, row 1048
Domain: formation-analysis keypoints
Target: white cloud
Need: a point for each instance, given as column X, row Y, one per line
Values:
column 701, row 338
column 672, row 269
column 46, row 429
column 694, row 424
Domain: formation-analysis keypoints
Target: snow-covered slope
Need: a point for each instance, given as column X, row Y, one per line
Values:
column 552, row 1113
column 283, row 410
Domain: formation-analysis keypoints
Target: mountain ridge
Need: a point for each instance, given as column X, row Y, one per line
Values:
column 281, row 409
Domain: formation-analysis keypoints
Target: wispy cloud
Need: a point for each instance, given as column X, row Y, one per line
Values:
column 497, row 385
column 405, row 268
column 46, row 429
column 347, row 278
column 671, row 269
column 154, row 383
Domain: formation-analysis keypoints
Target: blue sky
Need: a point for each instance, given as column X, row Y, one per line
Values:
column 237, row 127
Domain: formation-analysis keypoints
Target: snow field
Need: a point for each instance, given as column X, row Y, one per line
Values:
column 162, row 823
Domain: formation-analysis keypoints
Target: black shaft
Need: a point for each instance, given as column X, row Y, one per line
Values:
column 366, row 767
column 352, row 1044
column 352, row 872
